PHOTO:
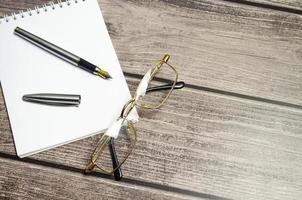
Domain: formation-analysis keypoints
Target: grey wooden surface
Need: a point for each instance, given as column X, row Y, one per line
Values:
column 216, row 44
column 233, row 133
column 39, row 182
column 280, row 3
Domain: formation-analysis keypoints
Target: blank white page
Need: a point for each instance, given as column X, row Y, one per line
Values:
column 26, row 69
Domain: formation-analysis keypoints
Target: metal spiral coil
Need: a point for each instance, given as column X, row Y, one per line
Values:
column 37, row 10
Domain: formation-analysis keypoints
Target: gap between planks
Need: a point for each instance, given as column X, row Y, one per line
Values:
column 227, row 93
column 271, row 6
column 16, row 176
column 264, row 141
column 153, row 186
column 237, row 94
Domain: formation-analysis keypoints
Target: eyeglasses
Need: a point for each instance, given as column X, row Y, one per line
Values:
column 121, row 137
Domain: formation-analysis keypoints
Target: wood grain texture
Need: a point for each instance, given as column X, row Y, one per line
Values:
column 9, row 6
column 20, row 180
column 227, row 46
column 207, row 144
column 285, row 3
column 231, row 47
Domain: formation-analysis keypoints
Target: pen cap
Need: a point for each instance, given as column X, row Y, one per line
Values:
column 54, row 99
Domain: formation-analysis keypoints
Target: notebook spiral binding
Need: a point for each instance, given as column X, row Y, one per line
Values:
column 38, row 9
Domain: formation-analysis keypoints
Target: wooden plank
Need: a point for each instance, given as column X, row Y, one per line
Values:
column 205, row 143
column 20, row 180
column 231, row 47
column 295, row 4
column 228, row 46
column 9, row 6
column 231, row 148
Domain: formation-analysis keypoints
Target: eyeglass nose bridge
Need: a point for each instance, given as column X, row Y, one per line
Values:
column 126, row 109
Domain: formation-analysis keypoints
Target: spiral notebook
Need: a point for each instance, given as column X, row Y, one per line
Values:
column 77, row 26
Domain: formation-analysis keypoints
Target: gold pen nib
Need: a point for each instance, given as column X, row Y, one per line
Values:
column 103, row 73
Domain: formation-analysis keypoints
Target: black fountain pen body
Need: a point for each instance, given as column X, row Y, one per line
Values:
column 61, row 53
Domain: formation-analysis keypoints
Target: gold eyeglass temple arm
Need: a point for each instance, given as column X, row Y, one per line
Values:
column 105, row 139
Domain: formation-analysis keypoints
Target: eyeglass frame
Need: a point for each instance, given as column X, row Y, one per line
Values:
column 133, row 102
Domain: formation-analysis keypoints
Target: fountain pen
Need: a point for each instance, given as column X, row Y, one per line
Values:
column 61, row 53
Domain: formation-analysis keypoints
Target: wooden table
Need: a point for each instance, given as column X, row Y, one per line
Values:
column 235, row 131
